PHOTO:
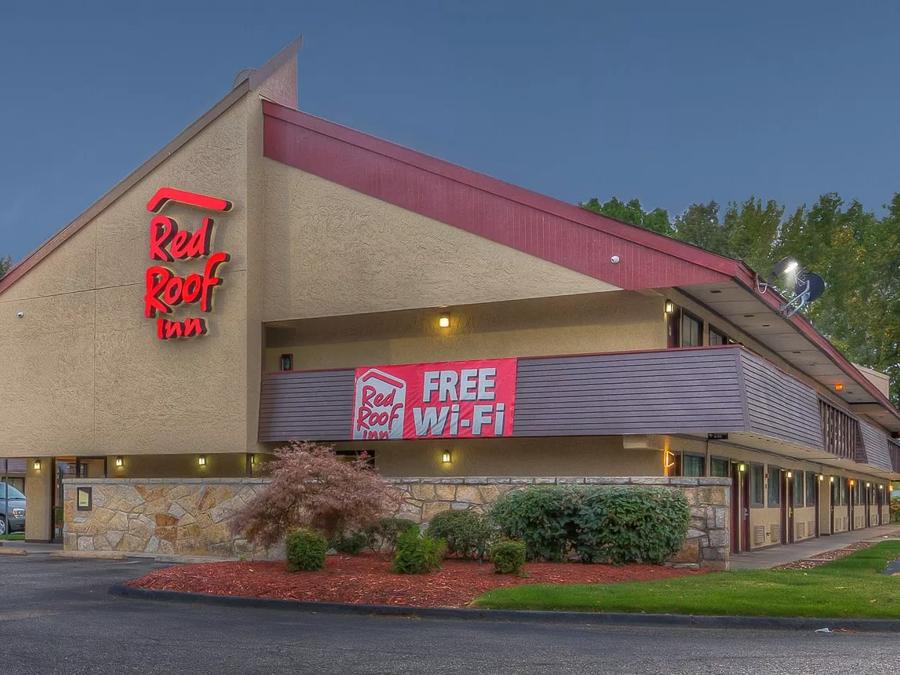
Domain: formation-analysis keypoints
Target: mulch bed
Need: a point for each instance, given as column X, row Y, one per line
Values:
column 367, row 579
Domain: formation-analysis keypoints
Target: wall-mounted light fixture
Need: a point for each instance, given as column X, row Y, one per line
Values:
column 790, row 474
column 286, row 362
column 446, row 457
column 444, row 320
column 670, row 306
column 669, row 461
column 201, row 460
column 868, row 485
column 36, row 465
column 852, row 482
column 831, row 480
column 120, row 462
column 839, row 386
column 821, row 478
column 742, row 467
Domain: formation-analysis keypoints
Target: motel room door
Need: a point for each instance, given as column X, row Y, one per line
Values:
column 787, row 508
column 740, row 509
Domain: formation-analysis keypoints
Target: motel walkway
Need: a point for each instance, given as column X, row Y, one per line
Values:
column 782, row 555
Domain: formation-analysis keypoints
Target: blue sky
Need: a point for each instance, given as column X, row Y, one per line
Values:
column 671, row 102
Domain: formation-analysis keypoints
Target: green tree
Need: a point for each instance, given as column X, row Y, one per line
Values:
column 633, row 213
column 856, row 252
column 699, row 225
column 751, row 229
column 5, row 264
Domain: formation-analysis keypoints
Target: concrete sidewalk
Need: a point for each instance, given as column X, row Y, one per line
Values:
column 781, row 555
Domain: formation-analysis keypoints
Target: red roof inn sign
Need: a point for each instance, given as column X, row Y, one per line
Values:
column 164, row 289
column 457, row 399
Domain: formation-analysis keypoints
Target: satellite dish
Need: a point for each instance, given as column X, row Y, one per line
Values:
column 810, row 285
column 807, row 288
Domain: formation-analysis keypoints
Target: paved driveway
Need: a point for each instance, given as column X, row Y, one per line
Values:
column 56, row 617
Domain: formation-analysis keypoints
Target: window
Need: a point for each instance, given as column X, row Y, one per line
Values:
column 286, row 362
column 798, row 489
column 691, row 330
column 719, row 467
column 774, row 486
column 857, row 493
column 717, row 337
column 9, row 492
column 694, row 465
column 811, row 489
column 839, row 492
column 757, row 485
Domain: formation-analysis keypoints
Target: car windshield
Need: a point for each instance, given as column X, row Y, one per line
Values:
column 9, row 492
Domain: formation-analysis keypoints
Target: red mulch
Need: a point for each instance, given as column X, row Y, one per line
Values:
column 367, row 579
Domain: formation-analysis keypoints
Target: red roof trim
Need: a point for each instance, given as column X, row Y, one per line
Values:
column 461, row 197
column 511, row 215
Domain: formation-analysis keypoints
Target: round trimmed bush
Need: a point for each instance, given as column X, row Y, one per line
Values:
column 417, row 553
column 306, row 550
column 631, row 524
column 508, row 556
column 467, row 533
column 384, row 533
column 599, row 524
column 542, row 517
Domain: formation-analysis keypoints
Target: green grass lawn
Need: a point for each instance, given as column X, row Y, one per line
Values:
column 16, row 536
column 851, row 587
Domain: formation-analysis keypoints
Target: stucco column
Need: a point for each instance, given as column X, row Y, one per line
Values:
column 38, row 496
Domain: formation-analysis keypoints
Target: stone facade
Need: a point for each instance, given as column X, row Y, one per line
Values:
column 708, row 540
column 185, row 516
column 191, row 516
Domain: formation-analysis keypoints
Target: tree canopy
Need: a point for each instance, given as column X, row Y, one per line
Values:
column 5, row 264
column 855, row 250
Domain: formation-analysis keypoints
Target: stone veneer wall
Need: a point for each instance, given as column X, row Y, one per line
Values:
column 172, row 516
column 707, row 544
column 191, row 516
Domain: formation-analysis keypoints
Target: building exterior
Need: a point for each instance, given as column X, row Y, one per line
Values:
column 271, row 276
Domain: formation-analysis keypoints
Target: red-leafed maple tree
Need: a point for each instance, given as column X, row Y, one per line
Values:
column 311, row 487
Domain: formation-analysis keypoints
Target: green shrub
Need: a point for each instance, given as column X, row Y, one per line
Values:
column 542, row 517
column 895, row 509
column 417, row 553
column 350, row 543
column 467, row 533
column 508, row 556
column 384, row 533
column 599, row 524
column 305, row 550
column 631, row 524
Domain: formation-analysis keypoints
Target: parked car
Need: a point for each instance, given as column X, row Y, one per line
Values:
column 12, row 509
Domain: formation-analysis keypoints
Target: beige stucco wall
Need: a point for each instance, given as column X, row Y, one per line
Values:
column 332, row 251
column 599, row 322
column 83, row 371
column 38, row 498
column 597, row 456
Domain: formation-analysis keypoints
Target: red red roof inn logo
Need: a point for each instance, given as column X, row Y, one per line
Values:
column 166, row 290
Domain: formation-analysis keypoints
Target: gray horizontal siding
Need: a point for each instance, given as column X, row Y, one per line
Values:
column 648, row 392
column 876, row 444
column 313, row 406
column 778, row 405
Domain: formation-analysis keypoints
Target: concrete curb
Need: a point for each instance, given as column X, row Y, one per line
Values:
column 10, row 550
column 584, row 618
column 88, row 555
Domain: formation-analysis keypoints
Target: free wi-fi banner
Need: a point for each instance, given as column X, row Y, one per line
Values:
column 454, row 399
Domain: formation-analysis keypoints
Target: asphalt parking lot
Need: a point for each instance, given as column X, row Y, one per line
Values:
column 57, row 617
